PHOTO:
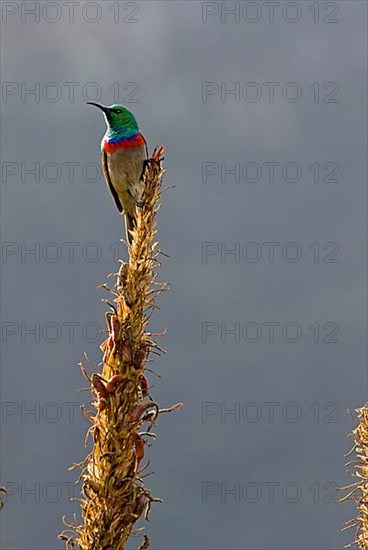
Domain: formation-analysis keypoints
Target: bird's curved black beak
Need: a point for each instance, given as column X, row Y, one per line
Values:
column 102, row 107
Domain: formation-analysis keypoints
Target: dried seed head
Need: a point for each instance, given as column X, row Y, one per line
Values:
column 115, row 494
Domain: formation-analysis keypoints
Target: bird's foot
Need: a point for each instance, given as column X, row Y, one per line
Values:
column 146, row 166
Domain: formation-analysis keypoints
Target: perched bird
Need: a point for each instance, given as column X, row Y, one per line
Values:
column 124, row 154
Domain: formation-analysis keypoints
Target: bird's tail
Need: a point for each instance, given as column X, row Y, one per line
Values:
column 129, row 226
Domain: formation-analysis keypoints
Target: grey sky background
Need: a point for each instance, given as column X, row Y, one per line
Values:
column 168, row 54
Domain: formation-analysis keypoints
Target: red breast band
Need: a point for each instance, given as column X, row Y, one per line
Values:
column 125, row 143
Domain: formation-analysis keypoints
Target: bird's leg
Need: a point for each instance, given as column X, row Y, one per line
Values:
column 157, row 156
column 146, row 164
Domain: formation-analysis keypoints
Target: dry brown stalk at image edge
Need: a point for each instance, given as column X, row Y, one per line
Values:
column 3, row 492
column 114, row 491
column 358, row 491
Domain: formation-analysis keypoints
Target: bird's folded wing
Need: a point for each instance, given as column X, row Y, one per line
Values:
column 105, row 167
column 144, row 164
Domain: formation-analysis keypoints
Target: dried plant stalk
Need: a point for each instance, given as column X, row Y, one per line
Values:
column 114, row 493
column 358, row 491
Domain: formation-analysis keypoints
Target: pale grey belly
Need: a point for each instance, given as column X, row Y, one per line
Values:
column 125, row 168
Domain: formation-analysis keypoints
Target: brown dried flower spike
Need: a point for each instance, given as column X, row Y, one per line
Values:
column 358, row 491
column 114, row 494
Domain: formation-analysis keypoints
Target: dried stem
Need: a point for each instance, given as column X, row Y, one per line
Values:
column 358, row 491
column 114, row 493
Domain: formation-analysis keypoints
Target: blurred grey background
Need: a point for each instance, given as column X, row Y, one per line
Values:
column 263, row 477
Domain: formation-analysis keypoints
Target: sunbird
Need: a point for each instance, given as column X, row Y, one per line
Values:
column 123, row 155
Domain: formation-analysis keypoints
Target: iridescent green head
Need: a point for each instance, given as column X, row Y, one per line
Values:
column 120, row 121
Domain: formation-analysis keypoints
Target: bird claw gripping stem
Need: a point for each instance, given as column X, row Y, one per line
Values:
column 157, row 156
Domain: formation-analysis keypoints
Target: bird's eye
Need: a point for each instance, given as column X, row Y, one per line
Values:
column 118, row 111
